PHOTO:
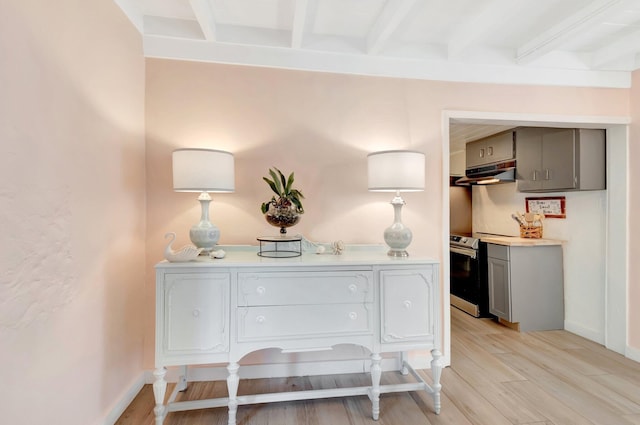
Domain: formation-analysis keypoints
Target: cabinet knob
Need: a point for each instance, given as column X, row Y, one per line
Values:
column 196, row 313
column 353, row 288
column 261, row 290
column 353, row 315
column 261, row 319
column 408, row 305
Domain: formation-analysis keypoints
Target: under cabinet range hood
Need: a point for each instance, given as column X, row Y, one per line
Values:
column 490, row 160
column 502, row 172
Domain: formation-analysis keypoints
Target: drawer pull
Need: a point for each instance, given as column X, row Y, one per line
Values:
column 261, row 290
column 196, row 313
column 353, row 288
column 353, row 315
column 261, row 319
column 407, row 305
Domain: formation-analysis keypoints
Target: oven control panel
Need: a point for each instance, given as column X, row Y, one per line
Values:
column 464, row 241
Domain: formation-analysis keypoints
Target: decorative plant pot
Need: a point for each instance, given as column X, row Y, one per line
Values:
column 282, row 217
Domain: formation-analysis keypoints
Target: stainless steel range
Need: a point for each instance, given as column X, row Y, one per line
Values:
column 469, row 289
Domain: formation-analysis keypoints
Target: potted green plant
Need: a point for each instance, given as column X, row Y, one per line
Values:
column 284, row 209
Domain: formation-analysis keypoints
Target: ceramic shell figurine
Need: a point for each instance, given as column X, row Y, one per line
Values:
column 186, row 253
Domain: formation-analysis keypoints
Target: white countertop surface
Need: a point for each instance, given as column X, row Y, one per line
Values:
column 516, row 241
column 352, row 256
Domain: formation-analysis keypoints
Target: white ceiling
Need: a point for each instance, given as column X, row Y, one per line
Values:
column 592, row 43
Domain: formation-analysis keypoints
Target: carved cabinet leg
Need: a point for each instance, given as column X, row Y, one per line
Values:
column 403, row 363
column 376, row 374
column 159, row 390
column 436, row 372
column 233, row 380
column 182, row 381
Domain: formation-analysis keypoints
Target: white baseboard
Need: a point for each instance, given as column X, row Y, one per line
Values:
column 390, row 361
column 590, row 334
column 278, row 370
column 125, row 400
column 632, row 353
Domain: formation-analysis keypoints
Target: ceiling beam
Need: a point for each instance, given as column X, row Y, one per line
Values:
column 204, row 14
column 479, row 25
column 626, row 46
column 394, row 12
column 550, row 39
column 299, row 23
column 326, row 61
column 133, row 12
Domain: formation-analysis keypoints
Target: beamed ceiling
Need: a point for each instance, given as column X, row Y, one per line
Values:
column 588, row 43
column 593, row 43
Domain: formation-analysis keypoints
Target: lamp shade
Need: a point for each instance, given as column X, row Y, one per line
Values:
column 203, row 170
column 391, row 171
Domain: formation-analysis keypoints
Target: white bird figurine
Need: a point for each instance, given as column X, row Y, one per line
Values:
column 186, row 253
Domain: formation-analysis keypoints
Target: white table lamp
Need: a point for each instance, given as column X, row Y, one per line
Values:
column 396, row 171
column 203, row 170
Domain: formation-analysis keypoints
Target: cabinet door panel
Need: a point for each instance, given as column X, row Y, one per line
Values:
column 196, row 313
column 407, row 297
column 559, row 159
column 492, row 149
column 529, row 159
column 499, row 288
column 500, row 147
column 475, row 154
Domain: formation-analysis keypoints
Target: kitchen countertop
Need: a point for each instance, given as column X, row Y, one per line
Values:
column 515, row 241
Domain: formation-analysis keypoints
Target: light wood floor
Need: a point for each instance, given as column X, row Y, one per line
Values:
column 497, row 377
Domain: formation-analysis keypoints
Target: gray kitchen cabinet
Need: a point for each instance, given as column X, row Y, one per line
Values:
column 498, row 147
column 526, row 285
column 560, row 159
column 499, row 288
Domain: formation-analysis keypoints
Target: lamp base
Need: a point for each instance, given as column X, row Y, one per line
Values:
column 205, row 235
column 397, row 253
column 397, row 236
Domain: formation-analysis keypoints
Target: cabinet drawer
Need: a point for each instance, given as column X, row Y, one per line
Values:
column 303, row 321
column 500, row 252
column 297, row 288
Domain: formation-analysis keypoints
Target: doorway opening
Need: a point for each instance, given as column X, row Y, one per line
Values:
column 613, row 336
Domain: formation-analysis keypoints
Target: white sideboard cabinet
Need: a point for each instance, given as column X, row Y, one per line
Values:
column 218, row 311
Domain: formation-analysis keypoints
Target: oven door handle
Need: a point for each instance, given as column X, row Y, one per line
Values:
column 464, row 251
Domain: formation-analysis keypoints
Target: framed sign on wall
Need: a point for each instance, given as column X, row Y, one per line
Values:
column 550, row 206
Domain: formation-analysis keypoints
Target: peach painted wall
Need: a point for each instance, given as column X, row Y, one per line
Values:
column 72, row 210
column 634, row 227
column 321, row 126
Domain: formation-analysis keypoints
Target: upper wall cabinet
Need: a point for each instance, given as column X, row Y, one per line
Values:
column 560, row 159
column 489, row 150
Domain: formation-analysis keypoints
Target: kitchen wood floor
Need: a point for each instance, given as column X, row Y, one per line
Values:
column 498, row 376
